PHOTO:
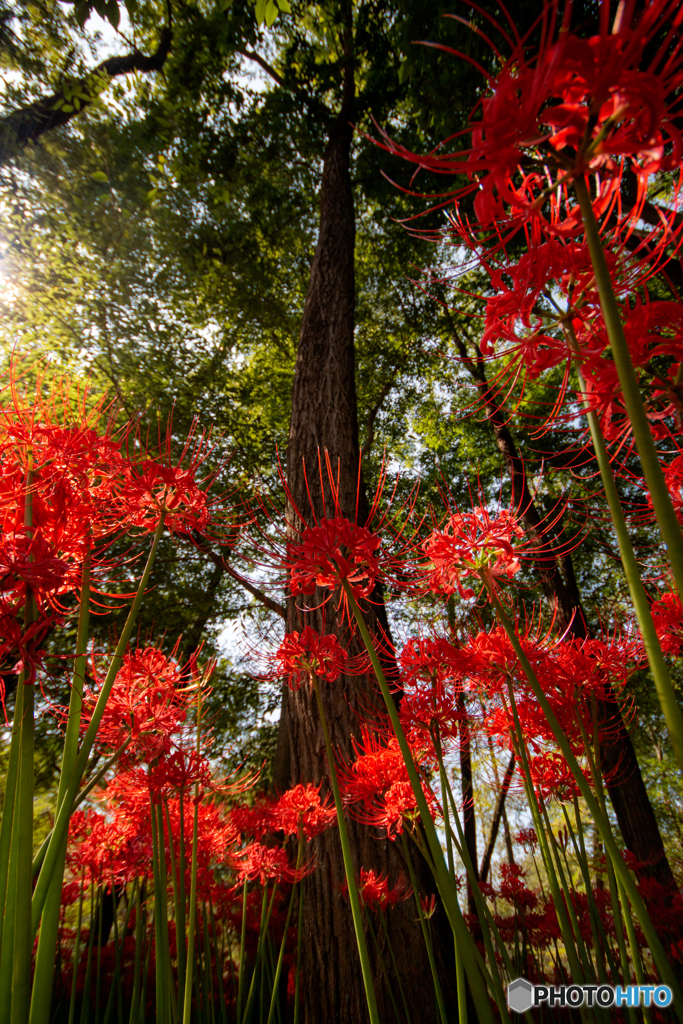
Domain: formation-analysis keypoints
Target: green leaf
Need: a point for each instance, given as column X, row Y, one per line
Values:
column 223, row 5
column 271, row 12
column 284, row 6
column 261, row 11
column 100, row 176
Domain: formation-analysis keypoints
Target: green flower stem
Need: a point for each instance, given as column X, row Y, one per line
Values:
column 348, row 865
column 300, row 925
column 598, row 935
column 281, row 955
column 220, row 959
column 259, row 963
column 192, row 915
column 621, row 870
column 241, row 981
column 659, row 492
column 77, row 956
column 49, row 926
column 23, row 818
column 8, row 844
column 7, row 818
column 88, row 963
column 660, row 672
column 181, row 907
column 139, row 939
column 489, row 930
column 163, row 1002
column 468, row 950
column 558, row 902
column 61, row 826
column 425, row 932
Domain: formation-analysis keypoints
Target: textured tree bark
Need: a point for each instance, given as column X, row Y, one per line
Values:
column 619, row 764
column 324, row 420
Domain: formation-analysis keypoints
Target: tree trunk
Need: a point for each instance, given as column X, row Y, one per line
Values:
column 619, row 764
column 324, row 420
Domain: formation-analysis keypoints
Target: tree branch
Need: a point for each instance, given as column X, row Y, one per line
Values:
column 219, row 560
column 277, row 77
column 28, row 123
column 497, row 816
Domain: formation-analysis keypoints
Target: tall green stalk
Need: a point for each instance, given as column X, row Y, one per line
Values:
column 22, row 876
column 49, row 925
column 348, row 864
column 467, row 949
column 660, row 673
column 621, row 870
column 659, row 492
column 192, row 915
column 61, row 826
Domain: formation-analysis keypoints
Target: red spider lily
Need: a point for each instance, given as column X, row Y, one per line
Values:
column 471, row 543
column 377, row 782
column 299, row 654
column 150, row 488
column 527, row 837
column 551, row 777
column 179, row 770
column 298, row 809
column 335, row 550
column 20, row 645
column 433, row 673
column 148, row 703
column 376, row 893
column 301, row 808
column 654, row 332
column 28, row 561
column 574, row 107
column 265, row 863
column 667, row 615
column 513, row 887
column 428, row 904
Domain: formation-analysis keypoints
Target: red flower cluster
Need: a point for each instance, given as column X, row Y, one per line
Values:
column 577, row 107
column 376, row 783
column 471, row 544
column 298, row 809
column 66, row 491
column 302, row 653
column 147, row 704
column 336, row 550
column 375, row 892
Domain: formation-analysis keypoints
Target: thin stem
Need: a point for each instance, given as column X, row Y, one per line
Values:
column 61, row 826
column 462, row 936
column 660, row 672
column 348, row 864
column 621, row 870
column 659, row 492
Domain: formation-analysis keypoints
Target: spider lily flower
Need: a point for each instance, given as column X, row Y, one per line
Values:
column 148, row 704
column 376, row 893
column 302, row 653
column 376, row 783
column 667, row 615
column 300, row 808
column 470, row 544
column 433, row 673
column 570, row 108
column 333, row 551
column 266, row 863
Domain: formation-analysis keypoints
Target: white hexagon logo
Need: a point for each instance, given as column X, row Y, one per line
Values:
column 520, row 995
